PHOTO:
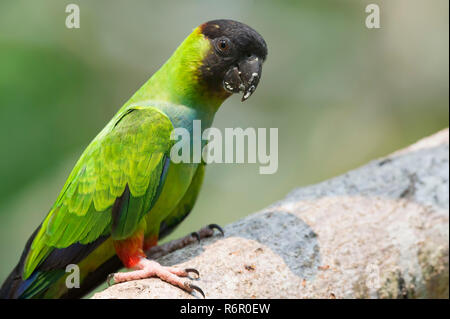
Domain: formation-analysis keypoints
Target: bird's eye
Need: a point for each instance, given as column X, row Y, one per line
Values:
column 223, row 46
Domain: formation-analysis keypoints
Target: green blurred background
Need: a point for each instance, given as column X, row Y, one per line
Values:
column 339, row 93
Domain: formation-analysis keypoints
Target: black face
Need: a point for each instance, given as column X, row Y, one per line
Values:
column 235, row 63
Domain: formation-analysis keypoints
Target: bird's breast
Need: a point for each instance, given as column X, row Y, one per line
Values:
column 179, row 177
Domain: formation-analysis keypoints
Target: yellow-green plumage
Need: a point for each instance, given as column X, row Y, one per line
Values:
column 124, row 184
column 130, row 150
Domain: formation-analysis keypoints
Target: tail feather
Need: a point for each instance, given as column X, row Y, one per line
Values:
column 47, row 273
column 53, row 268
column 14, row 285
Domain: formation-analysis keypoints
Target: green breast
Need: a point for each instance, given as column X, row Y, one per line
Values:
column 179, row 177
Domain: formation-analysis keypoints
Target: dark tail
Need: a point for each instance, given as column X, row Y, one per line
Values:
column 52, row 269
column 14, row 285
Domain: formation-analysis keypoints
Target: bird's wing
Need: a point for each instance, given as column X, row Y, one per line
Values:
column 116, row 181
column 113, row 264
column 97, row 275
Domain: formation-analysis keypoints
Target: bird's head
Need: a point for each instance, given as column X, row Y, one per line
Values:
column 217, row 59
column 233, row 63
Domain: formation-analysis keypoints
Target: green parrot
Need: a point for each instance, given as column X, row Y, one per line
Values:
column 124, row 193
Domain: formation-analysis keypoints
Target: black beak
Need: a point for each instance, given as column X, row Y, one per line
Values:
column 244, row 77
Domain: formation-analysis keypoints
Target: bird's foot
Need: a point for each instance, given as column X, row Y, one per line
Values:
column 148, row 268
column 165, row 249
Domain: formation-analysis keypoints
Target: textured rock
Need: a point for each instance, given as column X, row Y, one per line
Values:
column 380, row 231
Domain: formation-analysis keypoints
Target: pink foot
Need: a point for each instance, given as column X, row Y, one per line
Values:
column 149, row 268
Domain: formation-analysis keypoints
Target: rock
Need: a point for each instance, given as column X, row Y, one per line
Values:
column 380, row 231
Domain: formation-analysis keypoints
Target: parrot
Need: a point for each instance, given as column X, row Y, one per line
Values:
column 125, row 193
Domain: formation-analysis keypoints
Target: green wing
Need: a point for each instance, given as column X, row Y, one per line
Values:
column 185, row 205
column 128, row 156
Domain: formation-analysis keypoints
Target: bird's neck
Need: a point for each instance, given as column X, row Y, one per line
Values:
column 177, row 81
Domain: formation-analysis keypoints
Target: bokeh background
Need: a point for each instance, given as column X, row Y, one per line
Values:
column 339, row 93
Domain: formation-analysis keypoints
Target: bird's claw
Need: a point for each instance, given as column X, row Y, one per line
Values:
column 215, row 226
column 210, row 227
column 190, row 287
column 196, row 235
column 108, row 280
column 195, row 271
